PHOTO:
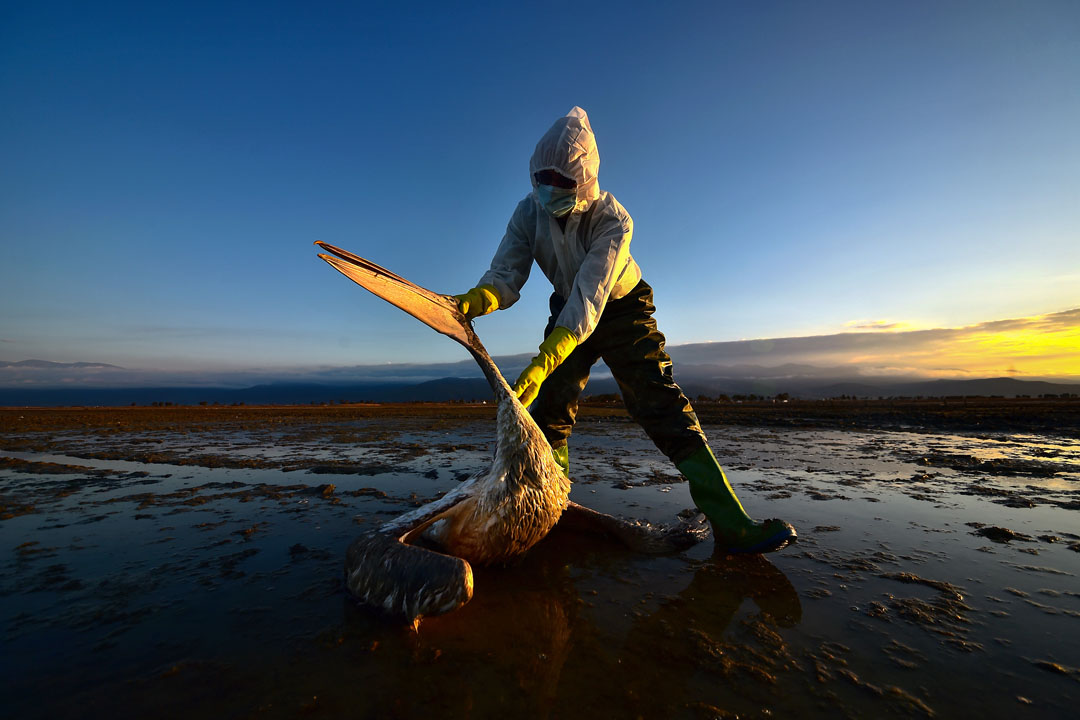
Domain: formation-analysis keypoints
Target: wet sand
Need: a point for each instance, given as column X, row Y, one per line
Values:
column 187, row 562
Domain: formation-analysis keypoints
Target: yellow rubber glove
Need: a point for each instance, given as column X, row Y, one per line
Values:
column 556, row 347
column 478, row 301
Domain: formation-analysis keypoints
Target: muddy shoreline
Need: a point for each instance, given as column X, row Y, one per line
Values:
column 1051, row 416
column 187, row 561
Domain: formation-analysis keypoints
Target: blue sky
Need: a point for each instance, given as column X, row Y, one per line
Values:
column 792, row 168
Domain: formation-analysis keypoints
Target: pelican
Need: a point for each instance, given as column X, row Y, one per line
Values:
column 418, row 564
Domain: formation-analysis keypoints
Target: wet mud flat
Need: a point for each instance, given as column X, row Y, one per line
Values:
column 1059, row 416
column 187, row 562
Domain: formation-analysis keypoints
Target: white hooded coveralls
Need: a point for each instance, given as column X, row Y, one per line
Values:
column 590, row 262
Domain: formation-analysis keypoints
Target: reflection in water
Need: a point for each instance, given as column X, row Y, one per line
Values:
column 531, row 642
column 720, row 586
column 688, row 654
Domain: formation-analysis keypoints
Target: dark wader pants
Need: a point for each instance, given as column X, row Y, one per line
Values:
column 633, row 348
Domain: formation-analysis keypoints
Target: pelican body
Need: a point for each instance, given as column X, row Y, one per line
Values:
column 419, row 563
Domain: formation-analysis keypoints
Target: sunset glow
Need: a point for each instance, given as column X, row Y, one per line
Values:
column 1032, row 351
column 1038, row 346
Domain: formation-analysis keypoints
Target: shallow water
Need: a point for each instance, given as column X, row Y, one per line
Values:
column 201, row 576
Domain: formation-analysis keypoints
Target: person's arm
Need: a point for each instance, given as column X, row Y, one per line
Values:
column 556, row 347
column 605, row 261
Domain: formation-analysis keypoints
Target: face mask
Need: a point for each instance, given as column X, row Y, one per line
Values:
column 557, row 201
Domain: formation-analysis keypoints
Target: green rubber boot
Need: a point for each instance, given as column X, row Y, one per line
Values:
column 733, row 530
column 562, row 457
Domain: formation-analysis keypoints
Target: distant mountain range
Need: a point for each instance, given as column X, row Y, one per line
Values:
column 853, row 364
column 477, row 390
column 831, row 384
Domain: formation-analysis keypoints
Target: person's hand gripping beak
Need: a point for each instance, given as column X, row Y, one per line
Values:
column 556, row 347
column 478, row 301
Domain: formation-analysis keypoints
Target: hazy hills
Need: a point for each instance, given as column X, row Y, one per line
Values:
column 981, row 360
column 476, row 389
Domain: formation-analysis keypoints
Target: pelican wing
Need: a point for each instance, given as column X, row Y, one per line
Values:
column 637, row 535
column 439, row 312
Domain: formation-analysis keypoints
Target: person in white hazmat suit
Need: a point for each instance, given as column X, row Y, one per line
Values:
column 601, row 307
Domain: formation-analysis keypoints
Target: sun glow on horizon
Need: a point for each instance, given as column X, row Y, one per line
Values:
column 1036, row 346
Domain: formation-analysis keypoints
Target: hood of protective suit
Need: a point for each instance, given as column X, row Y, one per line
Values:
column 569, row 148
